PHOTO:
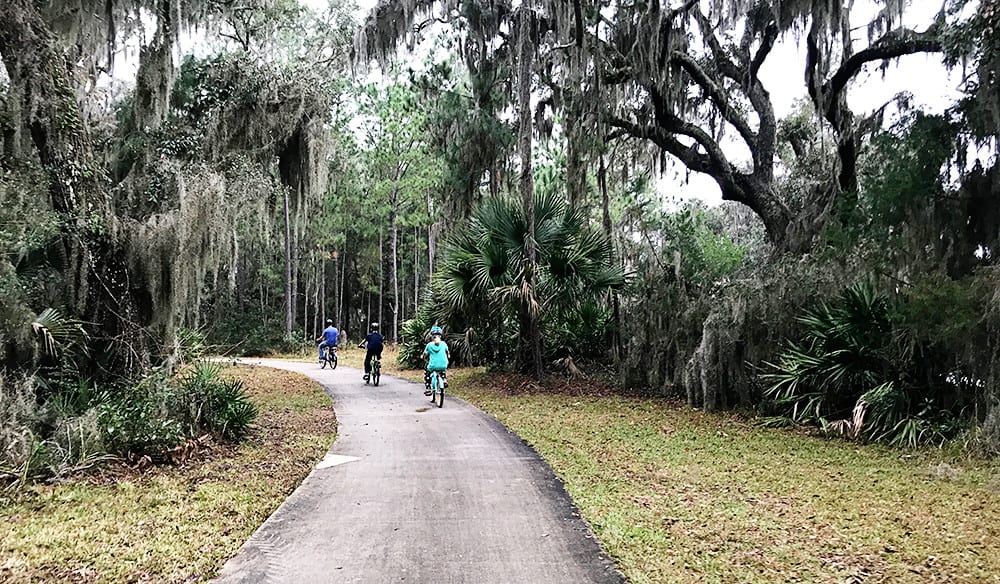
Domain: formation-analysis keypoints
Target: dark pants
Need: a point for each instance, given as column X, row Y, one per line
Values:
column 368, row 358
column 427, row 376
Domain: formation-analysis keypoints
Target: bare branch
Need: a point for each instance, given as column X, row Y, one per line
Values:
column 894, row 44
column 717, row 95
column 766, row 44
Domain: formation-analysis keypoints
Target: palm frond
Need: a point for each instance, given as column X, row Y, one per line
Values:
column 56, row 331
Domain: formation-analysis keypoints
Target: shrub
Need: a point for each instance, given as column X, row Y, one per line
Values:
column 214, row 404
column 43, row 439
column 160, row 412
column 137, row 420
column 857, row 369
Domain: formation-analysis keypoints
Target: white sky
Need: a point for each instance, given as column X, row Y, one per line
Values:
column 933, row 87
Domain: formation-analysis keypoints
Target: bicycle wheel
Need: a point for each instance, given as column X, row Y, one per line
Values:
column 322, row 362
column 376, row 372
column 439, row 397
column 333, row 361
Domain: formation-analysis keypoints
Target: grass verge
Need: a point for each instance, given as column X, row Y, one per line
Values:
column 171, row 523
column 676, row 495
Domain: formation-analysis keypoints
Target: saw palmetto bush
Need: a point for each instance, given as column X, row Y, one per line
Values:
column 481, row 282
column 214, row 404
column 855, row 373
column 162, row 411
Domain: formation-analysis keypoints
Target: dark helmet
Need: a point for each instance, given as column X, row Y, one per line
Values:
column 374, row 326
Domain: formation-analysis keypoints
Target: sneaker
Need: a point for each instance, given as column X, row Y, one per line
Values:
column 427, row 392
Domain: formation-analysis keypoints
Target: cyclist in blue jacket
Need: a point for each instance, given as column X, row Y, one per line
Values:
column 437, row 354
column 375, row 343
column 328, row 338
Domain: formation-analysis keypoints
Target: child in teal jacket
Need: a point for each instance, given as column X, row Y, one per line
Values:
column 436, row 353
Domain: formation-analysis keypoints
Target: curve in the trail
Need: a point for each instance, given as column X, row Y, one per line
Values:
column 411, row 493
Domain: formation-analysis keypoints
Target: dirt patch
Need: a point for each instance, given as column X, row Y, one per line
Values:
column 513, row 384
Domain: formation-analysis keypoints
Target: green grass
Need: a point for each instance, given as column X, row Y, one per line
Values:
column 171, row 523
column 676, row 495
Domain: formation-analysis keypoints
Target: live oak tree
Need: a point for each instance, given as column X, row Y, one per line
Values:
column 147, row 213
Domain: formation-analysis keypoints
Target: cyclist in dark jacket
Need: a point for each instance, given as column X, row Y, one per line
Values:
column 375, row 343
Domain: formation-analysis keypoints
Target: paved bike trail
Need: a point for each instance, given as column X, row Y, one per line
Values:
column 413, row 493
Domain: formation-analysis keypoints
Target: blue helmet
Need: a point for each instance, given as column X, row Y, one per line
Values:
column 436, row 330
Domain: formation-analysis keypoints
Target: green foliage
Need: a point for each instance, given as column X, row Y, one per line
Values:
column 905, row 168
column 215, row 404
column 480, row 284
column 857, row 367
column 135, row 421
column 191, row 345
column 161, row 412
column 42, row 438
column 467, row 132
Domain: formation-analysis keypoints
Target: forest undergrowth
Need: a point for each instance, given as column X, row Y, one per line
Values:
column 170, row 522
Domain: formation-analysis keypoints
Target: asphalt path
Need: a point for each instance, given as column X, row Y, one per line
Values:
column 413, row 493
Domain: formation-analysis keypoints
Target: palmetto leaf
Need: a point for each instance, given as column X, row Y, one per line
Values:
column 56, row 331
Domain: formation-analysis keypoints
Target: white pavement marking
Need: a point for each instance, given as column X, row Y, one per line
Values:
column 334, row 460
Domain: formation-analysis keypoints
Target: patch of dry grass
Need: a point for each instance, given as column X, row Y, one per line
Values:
column 676, row 495
column 171, row 523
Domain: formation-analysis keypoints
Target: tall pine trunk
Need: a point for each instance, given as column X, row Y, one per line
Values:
column 394, row 275
column 381, row 277
column 530, row 337
column 296, row 261
column 416, row 268
column 431, row 236
column 322, row 288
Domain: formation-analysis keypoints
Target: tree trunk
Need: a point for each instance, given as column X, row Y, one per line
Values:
column 289, row 295
column 322, row 288
column 416, row 268
column 305, row 309
column 530, row 337
column 96, row 279
column 394, row 274
column 296, row 263
column 338, row 293
column 431, row 236
column 602, row 181
column 344, row 310
column 381, row 277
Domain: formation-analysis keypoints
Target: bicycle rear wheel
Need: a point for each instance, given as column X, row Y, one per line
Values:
column 376, row 372
column 438, row 398
column 333, row 361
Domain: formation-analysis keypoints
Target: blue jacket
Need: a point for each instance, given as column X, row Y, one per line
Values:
column 330, row 336
column 374, row 341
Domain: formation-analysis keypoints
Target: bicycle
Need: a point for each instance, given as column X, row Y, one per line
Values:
column 376, row 372
column 329, row 358
column 437, row 389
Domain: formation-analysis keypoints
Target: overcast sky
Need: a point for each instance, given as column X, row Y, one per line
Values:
column 933, row 87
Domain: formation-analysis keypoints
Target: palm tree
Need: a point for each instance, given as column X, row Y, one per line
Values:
column 484, row 279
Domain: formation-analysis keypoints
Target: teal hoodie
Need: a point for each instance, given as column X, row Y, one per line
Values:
column 438, row 355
